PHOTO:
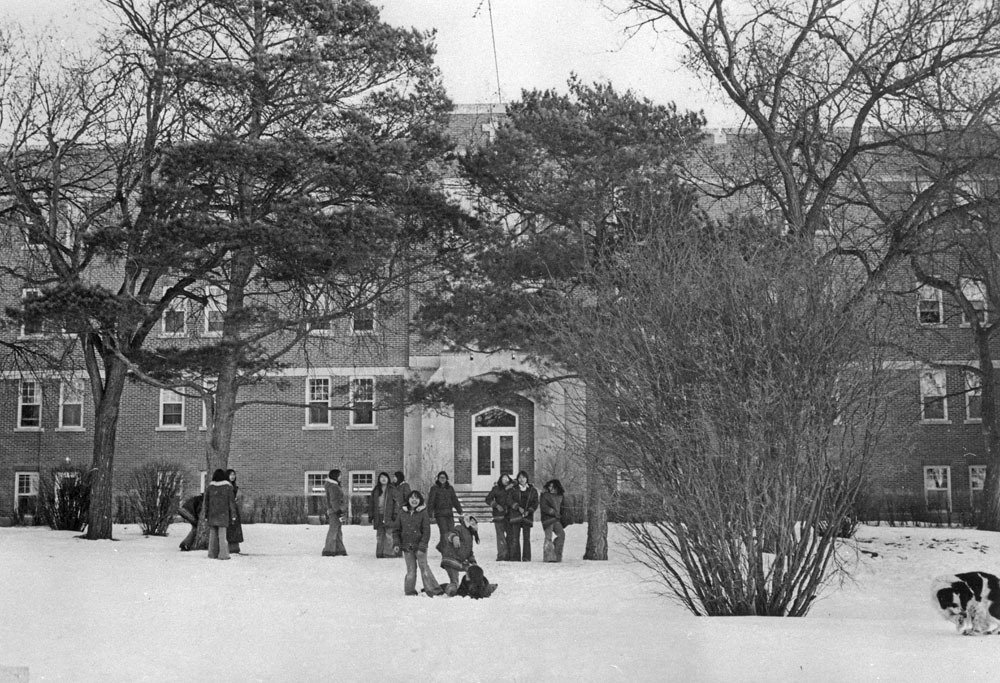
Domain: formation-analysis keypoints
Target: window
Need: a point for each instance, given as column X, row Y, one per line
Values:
column 171, row 410
column 495, row 417
column 629, row 481
column 933, row 395
column 318, row 398
column 174, row 323
column 209, row 383
column 362, row 402
column 318, row 305
column 363, row 320
column 937, row 488
column 25, row 493
column 215, row 307
column 929, row 306
column 29, row 405
column 32, row 325
column 975, row 292
column 316, row 493
column 360, row 484
column 977, row 484
column 973, row 397
column 71, row 404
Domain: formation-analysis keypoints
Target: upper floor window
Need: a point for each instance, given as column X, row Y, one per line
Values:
column 33, row 325
column 318, row 311
column 975, row 292
column 71, row 404
column 930, row 310
column 29, row 405
column 362, row 402
column 215, row 308
column 973, row 396
column 363, row 320
column 318, row 399
column 933, row 395
column 171, row 409
column 174, row 322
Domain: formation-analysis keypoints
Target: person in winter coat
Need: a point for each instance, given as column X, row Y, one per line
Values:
column 220, row 512
column 234, row 534
column 189, row 511
column 335, row 514
column 499, row 501
column 402, row 495
column 523, row 503
column 457, row 554
column 385, row 506
column 415, row 535
column 441, row 502
column 550, row 505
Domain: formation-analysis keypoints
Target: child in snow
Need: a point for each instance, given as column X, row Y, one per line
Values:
column 457, row 551
column 415, row 535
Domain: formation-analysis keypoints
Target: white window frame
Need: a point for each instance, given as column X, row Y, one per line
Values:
column 32, row 488
column 374, row 321
column 313, row 398
column 74, row 389
column 932, row 294
column 355, row 490
column 946, row 470
column 973, row 389
column 976, row 483
column 353, row 401
column 26, row 294
column 202, row 478
column 974, row 290
column 930, row 387
column 215, row 302
column 178, row 305
column 21, row 404
column 320, row 302
column 178, row 399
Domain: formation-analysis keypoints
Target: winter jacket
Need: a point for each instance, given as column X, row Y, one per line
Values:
column 334, row 497
column 191, row 508
column 441, row 500
column 550, row 505
column 234, row 534
column 220, row 503
column 460, row 557
column 525, row 501
column 380, row 517
column 499, row 500
column 414, row 527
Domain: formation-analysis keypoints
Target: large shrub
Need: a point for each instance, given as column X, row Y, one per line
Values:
column 154, row 494
column 64, row 497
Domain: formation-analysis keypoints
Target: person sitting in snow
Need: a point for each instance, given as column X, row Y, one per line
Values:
column 457, row 551
column 415, row 535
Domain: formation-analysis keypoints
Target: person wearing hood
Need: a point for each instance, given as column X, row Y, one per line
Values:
column 402, row 495
column 442, row 503
column 220, row 512
column 550, row 504
column 457, row 554
column 499, row 500
column 523, row 503
column 415, row 535
column 335, row 514
column 234, row 534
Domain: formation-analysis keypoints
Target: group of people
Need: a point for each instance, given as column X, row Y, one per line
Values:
column 402, row 520
column 222, row 516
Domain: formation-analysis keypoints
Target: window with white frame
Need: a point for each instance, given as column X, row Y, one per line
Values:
column 363, row 320
column 930, row 306
column 171, row 409
column 29, row 404
column 362, row 402
column 25, row 493
column 973, row 396
column 937, row 487
column 33, row 325
column 209, row 383
column 202, row 478
column 360, row 485
column 977, row 484
column 315, row 492
column 318, row 306
column 71, row 404
column 975, row 292
column 215, row 309
column 174, row 321
column 933, row 395
column 318, row 399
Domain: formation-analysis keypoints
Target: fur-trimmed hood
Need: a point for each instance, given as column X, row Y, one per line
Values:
column 220, row 483
column 419, row 508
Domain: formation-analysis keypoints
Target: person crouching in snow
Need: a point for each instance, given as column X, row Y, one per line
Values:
column 457, row 551
column 220, row 512
column 189, row 511
column 415, row 535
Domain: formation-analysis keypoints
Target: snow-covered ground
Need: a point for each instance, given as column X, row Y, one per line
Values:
column 138, row 609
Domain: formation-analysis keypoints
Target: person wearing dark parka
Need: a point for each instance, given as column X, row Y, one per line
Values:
column 220, row 512
column 415, row 535
column 234, row 534
column 334, row 546
column 550, row 505
column 499, row 501
column 442, row 504
column 523, row 503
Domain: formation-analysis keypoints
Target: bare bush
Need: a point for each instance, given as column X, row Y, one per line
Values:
column 65, row 498
column 154, row 495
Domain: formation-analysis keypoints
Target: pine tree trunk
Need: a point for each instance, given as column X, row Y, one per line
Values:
column 597, row 510
column 106, row 411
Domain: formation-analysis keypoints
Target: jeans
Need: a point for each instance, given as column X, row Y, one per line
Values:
column 556, row 528
column 415, row 559
column 503, row 530
column 218, row 546
column 519, row 542
column 334, row 538
column 445, row 525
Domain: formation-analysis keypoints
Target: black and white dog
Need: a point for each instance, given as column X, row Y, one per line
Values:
column 970, row 600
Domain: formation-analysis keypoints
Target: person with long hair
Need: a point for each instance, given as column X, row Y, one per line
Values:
column 523, row 503
column 220, row 512
column 550, row 505
column 499, row 501
column 415, row 533
column 442, row 504
column 334, row 546
column 234, row 534
column 383, row 503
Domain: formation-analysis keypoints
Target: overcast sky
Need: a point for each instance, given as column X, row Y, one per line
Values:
column 538, row 42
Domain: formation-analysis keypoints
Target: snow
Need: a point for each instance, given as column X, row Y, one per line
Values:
column 138, row 609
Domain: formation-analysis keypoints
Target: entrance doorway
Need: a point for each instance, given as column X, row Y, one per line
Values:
column 494, row 447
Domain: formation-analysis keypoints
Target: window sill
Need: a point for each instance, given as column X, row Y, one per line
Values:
column 974, row 421
column 935, row 422
column 171, row 428
column 933, row 326
column 317, row 428
column 362, row 428
column 71, row 429
column 173, row 335
column 29, row 429
column 321, row 333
